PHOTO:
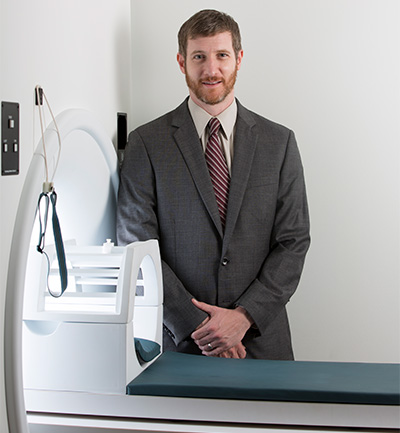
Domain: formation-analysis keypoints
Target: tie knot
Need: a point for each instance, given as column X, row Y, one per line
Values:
column 214, row 125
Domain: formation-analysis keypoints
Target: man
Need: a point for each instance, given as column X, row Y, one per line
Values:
column 230, row 263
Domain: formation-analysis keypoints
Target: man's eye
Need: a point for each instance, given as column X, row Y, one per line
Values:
column 198, row 57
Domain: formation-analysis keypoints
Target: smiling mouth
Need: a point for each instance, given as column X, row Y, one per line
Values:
column 211, row 83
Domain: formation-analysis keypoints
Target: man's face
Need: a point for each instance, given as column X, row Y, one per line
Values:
column 210, row 68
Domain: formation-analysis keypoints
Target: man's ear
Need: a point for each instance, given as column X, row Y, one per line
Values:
column 181, row 62
column 239, row 59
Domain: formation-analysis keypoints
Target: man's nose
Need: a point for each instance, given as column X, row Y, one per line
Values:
column 211, row 67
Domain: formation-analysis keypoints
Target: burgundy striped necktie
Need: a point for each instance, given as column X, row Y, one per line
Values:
column 218, row 168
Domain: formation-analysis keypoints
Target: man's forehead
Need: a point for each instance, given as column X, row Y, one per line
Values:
column 216, row 42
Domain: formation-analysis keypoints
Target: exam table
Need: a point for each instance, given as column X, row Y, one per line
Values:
column 187, row 393
column 113, row 375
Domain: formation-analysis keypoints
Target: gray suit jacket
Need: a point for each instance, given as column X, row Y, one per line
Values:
column 166, row 194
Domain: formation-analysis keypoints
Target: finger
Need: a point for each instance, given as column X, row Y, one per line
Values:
column 203, row 323
column 227, row 354
column 215, row 353
column 207, row 347
column 201, row 335
column 238, row 352
column 210, row 349
column 241, row 352
column 210, row 338
column 205, row 333
column 203, row 306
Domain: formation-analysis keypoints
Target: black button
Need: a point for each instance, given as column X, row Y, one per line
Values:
column 169, row 332
column 225, row 261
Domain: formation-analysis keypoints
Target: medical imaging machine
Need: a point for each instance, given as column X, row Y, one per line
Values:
column 89, row 360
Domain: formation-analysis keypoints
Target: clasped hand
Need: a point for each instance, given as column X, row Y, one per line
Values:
column 222, row 332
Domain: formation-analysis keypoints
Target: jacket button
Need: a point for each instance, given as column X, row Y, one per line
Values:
column 225, row 261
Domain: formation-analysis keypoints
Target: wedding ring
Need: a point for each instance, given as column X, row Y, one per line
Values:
column 209, row 346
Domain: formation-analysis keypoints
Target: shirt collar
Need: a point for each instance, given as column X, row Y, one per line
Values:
column 201, row 118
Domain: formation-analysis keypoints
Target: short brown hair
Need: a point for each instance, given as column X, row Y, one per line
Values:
column 209, row 22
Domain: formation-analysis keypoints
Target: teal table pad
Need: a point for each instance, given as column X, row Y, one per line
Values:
column 182, row 375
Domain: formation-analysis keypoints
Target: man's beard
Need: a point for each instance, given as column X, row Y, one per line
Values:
column 206, row 95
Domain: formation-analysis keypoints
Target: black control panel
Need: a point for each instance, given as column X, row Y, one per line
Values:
column 9, row 138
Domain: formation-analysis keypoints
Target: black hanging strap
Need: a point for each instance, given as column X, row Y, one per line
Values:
column 52, row 197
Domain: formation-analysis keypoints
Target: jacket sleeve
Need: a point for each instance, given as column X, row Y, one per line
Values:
column 137, row 221
column 280, row 273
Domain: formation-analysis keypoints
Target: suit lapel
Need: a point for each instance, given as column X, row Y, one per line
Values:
column 244, row 147
column 192, row 152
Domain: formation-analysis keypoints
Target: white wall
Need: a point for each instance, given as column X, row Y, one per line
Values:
column 79, row 51
column 330, row 70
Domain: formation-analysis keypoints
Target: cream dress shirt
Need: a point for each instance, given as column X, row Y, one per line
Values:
column 227, row 131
